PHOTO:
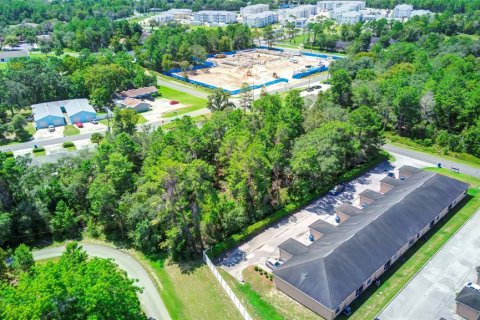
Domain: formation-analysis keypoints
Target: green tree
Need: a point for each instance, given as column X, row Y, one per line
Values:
column 218, row 100
column 125, row 120
column 342, row 87
column 22, row 258
column 5, row 227
column 63, row 222
column 18, row 125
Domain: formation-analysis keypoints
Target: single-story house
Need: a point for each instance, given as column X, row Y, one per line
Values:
column 79, row 110
column 6, row 56
column 343, row 260
column 140, row 93
column 468, row 302
column 132, row 103
column 48, row 114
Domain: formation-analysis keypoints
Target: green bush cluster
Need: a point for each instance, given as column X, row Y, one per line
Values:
column 68, row 144
column 259, row 226
column 39, row 149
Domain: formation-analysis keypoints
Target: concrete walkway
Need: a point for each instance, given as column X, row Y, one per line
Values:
column 431, row 293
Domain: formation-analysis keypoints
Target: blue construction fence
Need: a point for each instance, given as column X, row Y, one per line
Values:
column 309, row 72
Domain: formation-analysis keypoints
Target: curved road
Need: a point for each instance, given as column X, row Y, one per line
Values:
column 150, row 299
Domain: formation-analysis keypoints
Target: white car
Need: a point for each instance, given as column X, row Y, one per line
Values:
column 273, row 263
column 51, row 128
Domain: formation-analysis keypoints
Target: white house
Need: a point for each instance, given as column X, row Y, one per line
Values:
column 6, row 56
column 402, row 11
column 136, row 104
column 330, row 5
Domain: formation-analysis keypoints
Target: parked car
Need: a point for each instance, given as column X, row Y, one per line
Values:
column 339, row 188
column 51, row 128
column 29, row 118
column 173, row 102
column 310, row 89
column 94, row 121
column 317, row 87
column 273, row 263
column 79, row 124
column 391, row 175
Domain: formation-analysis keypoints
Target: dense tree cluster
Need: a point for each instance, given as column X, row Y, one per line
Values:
column 38, row 11
column 178, row 46
column 426, row 89
column 186, row 188
column 75, row 287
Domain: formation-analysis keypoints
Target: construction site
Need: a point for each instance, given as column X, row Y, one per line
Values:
column 257, row 68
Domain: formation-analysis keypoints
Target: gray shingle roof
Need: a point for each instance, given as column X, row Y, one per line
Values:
column 13, row 54
column 323, row 227
column 409, row 169
column 469, row 297
column 370, row 194
column 75, row 106
column 348, row 209
column 339, row 262
column 293, row 247
column 392, row 181
column 42, row 110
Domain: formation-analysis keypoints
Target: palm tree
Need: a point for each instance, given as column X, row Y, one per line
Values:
column 218, row 100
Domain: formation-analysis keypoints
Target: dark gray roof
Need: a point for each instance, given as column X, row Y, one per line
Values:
column 469, row 297
column 392, row 181
column 13, row 54
column 409, row 169
column 293, row 247
column 348, row 209
column 323, row 227
column 339, row 262
column 370, row 194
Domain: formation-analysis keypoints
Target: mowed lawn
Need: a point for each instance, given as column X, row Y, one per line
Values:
column 374, row 299
column 190, row 291
column 191, row 103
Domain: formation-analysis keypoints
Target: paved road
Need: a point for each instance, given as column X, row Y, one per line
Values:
column 150, row 299
column 431, row 293
column 474, row 172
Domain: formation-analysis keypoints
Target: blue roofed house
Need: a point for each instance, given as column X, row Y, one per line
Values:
column 48, row 114
column 79, row 110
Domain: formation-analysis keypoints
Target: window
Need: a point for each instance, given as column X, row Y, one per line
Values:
column 337, row 310
column 431, row 224
column 359, row 291
column 411, row 242
column 386, row 265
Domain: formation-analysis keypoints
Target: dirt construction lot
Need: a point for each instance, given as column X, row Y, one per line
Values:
column 254, row 67
column 258, row 249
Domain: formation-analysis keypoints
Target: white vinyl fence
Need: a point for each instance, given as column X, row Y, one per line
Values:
column 225, row 287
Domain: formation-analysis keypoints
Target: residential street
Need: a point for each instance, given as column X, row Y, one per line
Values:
column 431, row 293
column 447, row 164
column 150, row 299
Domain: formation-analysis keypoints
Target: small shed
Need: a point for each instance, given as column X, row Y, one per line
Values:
column 79, row 110
column 47, row 114
column 136, row 104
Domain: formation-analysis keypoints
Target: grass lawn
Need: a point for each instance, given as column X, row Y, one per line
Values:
column 70, row 130
column 30, row 128
column 141, row 120
column 181, row 111
column 374, row 299
column 464, row 158
column 257, row 306
column 40, row 153
column 190, row 291
column 191, row 103
column 72, row 148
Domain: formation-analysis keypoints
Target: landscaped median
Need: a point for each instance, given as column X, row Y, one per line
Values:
column 290, row 208
column 374, row 299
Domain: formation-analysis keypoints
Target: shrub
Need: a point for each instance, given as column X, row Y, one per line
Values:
column 256, row 268
column 68, row 144
column 8, row 154
column 39, row 149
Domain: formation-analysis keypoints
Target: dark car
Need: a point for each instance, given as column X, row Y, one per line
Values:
column 310, row 89
column 339, row 188
column 317, row 87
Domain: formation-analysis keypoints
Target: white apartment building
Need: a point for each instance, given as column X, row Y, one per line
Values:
column 420, row 13
column 254, row 9
column 180, row 13
column 261, row 19
column 159, row 19
column 212, row 16
column 349, row 17
column 330, row 5
column 402, row 11
column 303, row 11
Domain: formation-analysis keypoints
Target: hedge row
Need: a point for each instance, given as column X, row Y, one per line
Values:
column 8, row 154
column 39, row 149
column 68, row 144
column 290, row 208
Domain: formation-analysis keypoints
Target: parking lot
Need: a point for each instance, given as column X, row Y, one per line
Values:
column 258, row 249
column 158, row 107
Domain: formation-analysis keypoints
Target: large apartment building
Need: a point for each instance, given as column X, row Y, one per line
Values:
column 330, row 5
column 212, row 16
column 254, row 9
column 402, row 11
column 260, row 20
column 345, row 259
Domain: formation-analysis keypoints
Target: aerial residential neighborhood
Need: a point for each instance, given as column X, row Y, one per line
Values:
column 240, row 160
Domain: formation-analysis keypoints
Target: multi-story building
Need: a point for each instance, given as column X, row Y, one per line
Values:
column 420, row 13
column 179, row 14
column 330, row 5
column 254, row 9
column 303, row 11
column 402, row 11
column 210, row 16
column 349, row 17
column 162, row 18
column 261, row 19
column 345, row 259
